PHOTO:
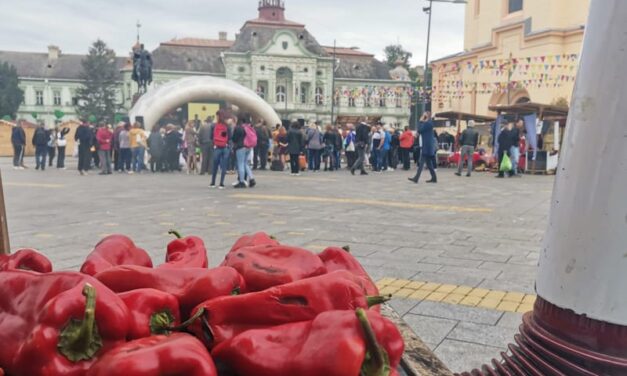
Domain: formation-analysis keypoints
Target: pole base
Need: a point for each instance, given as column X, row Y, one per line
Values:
column 556, row 341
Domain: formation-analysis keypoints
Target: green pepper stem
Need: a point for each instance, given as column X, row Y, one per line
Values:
column 273, row 237
column 347, row 248
column 187, row 323
column 378, row 363
column 377, row 299
column 160, row 322
column 175, row 233
column 79, row 339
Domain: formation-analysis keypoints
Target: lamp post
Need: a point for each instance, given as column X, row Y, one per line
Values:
column 428, row 10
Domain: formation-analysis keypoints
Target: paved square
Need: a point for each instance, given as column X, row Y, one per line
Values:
column 460, row 256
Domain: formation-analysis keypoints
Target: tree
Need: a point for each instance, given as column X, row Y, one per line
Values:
column 11, row 96
column 395, row 52
column 96, row 98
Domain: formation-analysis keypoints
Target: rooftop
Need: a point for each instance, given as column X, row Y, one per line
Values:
column 199, row 42
column 352, row 51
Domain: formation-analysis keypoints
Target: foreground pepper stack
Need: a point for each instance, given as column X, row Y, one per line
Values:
column 579, row 322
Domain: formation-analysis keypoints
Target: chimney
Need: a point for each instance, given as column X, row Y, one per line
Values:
column 53, row 53
column 222, row 35
column 272, row 10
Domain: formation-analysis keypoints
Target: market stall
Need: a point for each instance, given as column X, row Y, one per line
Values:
column 539, row 154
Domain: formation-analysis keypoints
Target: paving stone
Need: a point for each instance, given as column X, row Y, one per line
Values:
column 464, row 356
column 457, row 312
column 510, row 320
column 489, row 335
column 402, row 306
column 431, row 330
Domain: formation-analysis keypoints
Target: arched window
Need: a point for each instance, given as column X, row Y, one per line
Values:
column 281, row 94
column 319, row 96
column 261, row 91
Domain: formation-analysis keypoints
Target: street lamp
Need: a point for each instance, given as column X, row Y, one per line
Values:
column 428, row 10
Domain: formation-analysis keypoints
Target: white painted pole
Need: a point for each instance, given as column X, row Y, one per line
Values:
column 556, row 136
column 583, row 263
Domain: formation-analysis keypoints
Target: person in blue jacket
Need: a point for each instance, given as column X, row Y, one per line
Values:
column 428, row 148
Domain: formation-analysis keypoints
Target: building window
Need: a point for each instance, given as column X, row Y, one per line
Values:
column 319, row 96
column 57, row 98
column 515, row 5
column 382, row 102
column 304, row 93
column 74, row 101
column 39, row 98
column 281, row 96
column 351, row 102
column 262, row 89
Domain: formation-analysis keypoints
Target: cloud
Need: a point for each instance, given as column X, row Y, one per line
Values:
column 31, row 25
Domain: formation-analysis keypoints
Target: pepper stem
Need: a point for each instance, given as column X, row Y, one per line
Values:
column 273, row 237
column 376, row 362
column 377, row 299
column 79, row 339
column 160, row 322
column 175, row 233
column 187, row 323
column 347, row 248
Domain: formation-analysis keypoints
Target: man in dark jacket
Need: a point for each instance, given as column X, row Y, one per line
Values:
column 428, row 148
column 84, row 136
column 260, row 156
column 506, row 141
column 206, row 145
column 468, row 142
column 40, row 142
column 362, row 137
column 295, row 145
column 18, row 140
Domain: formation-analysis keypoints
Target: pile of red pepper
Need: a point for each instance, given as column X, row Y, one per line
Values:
column 268, row 309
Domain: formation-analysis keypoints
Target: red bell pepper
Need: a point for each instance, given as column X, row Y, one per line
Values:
column 264, row 266
column 151, row 312
column 189, row 252
column 335, row 343
column 112, row 251
column 175, row 355
column 191, row 286
column 26, row 259
column 259, row 238
column 57, row 323
column 302, row 300
column 335, row 258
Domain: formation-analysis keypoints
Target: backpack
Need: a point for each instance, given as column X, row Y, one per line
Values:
column 220, row 135
column 250, row 141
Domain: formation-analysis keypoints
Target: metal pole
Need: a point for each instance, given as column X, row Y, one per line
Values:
column 5, row 247
column 333, row 85
column 427, row 55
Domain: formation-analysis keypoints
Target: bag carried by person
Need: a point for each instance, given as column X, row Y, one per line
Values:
column 302, row 162
column 277, row 165
column 250, row 141
column 220, row 135
column 506, row 164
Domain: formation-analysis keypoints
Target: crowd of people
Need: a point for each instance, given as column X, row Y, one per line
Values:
column 233, row 145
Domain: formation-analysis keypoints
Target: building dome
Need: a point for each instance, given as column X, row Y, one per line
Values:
column 400, row 73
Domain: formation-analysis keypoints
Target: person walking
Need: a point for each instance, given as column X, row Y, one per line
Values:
column 61, row 145
column 330, row 143
column 295, row 145
column 264, row 137
column 282, row 144
column 362, row 135
column 83, row 136
column 406, row 143
column 172, row 142
column 377, row 148
column 514, row 150
column 468, row 141
column 138, row 147
column 337, row 150
column 124, row 140
column 206, row 146
column 190, row 139
column 155, row 149
column 104, row 138
column 40, row 142
column 428, row 149
column 116, row 146
column 386, row 147
column 52, row 145
column 220, row 136
column 506, row 141
column 349, row 146
column 18, row 140
column 314, row 146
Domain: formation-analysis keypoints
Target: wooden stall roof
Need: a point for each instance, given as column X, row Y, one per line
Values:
column 454, row 115
column 545, row 110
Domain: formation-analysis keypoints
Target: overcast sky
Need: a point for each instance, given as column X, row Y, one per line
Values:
column 31, row 25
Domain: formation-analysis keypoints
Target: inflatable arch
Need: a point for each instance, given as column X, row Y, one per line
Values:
column 157, row 102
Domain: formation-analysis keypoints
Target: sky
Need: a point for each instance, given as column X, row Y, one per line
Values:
column 32, row 25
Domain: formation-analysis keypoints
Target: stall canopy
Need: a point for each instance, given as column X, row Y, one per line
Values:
column 542, row 110
column 463, row 116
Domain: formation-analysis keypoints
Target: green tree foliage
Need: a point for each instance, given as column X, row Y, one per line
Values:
column 96, row 98
column 11, row 96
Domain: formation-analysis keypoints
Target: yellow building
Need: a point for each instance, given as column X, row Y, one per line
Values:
column 514, row 51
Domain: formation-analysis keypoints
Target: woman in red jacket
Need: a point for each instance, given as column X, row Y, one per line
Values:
column 406, row 144
column 104, row 136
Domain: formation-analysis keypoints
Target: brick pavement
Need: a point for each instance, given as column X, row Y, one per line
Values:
column 476, row 232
